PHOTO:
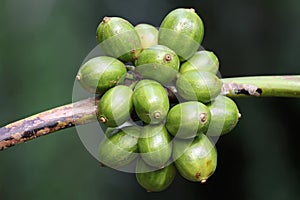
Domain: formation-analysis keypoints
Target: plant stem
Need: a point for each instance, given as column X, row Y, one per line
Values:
column 262, row 86
column 84, row 111
column 81, row 112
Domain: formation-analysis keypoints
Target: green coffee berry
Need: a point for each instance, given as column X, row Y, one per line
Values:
column 148, row 35
column 118, row 38
column 201, row 86
column 115, row 106
column 101, row 73
column 120, row 149
column 152, row 179
column 182, row 30
column 203, row 60
column 196, row 161
column 151, row 102
column 224, row 116
column 155, row 145
column 158, row 63
column 188, row 119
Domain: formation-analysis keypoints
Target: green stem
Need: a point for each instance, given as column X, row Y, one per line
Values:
column 262, row 86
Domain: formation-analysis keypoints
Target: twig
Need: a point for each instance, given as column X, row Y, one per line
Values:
column 83, row 112
column 47, row 122
column 262, row 86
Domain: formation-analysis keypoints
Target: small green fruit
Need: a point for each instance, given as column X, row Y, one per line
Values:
column 115, row 106
column 196, row 161
column 198, row 86
column 154, row 180
column 155, row 145
column 203, row 61
column 148, row 35
column 224, row 116
column 100, row 74
column 120, row 149
column 158, row 63
column 188, row 119
column 151, row 102
column 118, row 38
column 182, row 30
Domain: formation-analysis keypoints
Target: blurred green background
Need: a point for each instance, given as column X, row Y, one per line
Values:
column 42, row 45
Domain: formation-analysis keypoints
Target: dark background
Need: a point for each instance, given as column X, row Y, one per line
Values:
column 42, row 45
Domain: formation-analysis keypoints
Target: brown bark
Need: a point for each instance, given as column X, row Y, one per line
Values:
column 47, row 122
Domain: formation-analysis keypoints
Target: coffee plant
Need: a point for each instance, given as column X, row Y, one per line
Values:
column 159, row 97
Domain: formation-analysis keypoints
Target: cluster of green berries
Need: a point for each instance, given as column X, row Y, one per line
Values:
column 160, row 98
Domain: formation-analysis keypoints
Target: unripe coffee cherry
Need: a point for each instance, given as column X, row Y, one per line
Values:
column 224, row 116
column 148, row 35
column 152, row 179
column 203, row 60
column 182, row 31
column 198, row 86
column 115, row 106
column 155, row 145
column 101, row 73
column 188, row 119
column 121, row 148
column 158, row 63
column 151, row 102
column 118, row 38
column 196, row 161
